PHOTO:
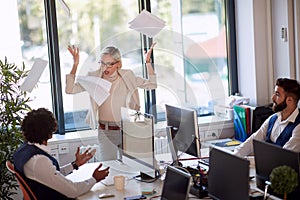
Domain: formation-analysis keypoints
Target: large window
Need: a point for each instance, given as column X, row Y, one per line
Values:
column 91, row 26
column 190, row 57
column 25, row 40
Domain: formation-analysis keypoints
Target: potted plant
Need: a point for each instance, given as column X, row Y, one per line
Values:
column 283, row 180
column 13, row 105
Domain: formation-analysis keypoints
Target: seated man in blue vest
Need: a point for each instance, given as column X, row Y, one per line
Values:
column 281, row 128
column 40, row 170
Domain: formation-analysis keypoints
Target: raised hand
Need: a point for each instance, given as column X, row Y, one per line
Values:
column 149, row 53
column 84, row 157
column 75, row 53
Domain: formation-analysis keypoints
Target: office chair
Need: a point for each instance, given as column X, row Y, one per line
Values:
column 27, row 192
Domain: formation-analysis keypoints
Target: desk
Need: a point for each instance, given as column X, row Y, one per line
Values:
column 133, row 187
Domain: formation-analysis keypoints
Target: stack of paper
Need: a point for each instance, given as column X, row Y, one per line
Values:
column 97, row 88
column 147, row 24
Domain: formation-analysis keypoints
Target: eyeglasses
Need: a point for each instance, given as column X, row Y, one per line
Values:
column 108, row 64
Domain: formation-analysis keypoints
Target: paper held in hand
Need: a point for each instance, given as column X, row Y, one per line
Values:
column 97, row 88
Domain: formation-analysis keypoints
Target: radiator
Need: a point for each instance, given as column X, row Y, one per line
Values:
column 161, row 145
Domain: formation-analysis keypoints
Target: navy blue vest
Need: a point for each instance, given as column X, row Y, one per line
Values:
column 21, row 156
column 286, row 134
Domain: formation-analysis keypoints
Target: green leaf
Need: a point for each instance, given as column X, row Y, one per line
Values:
column 283, row 179
column 13, row 105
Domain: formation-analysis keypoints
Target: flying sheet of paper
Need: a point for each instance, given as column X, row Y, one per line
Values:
column 34, row 75
column 97, row 88
column 147, row 23
column 65, row 7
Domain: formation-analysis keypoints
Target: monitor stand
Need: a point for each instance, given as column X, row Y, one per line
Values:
column 177, row 163
column 145, row 178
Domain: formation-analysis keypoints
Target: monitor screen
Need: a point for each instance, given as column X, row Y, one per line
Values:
column 184, row 123
column 176, row 184
column 138, row 141
column 228, row 175
column 268, row 156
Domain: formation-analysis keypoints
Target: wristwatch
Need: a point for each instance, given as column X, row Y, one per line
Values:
column 75, row 166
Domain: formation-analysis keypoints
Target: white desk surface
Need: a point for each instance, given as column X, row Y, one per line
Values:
column 132, row 187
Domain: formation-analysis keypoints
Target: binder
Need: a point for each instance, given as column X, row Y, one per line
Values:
column 241, row 112
column 249, row 118
column 239, row 121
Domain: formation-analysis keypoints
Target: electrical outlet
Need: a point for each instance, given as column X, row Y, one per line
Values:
column 63, row 148
column 54, row 153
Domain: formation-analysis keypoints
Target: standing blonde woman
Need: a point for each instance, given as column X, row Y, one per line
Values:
column 123, row 93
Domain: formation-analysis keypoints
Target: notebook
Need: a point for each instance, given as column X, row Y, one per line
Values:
column 176, row 184
column 228, row 175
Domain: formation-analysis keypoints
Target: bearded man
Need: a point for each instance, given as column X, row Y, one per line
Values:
column 282, row 128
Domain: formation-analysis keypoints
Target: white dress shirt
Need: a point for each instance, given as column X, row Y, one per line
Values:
column 246, row 148
column 41, row 169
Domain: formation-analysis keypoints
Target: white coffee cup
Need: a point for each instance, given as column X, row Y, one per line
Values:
column 119, row 182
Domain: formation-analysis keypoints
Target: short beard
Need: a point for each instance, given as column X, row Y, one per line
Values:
column 279, row 107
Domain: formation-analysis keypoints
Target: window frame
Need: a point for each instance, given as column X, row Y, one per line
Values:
column 150, row 96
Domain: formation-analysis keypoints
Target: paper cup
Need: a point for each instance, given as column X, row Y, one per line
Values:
column 119, row 182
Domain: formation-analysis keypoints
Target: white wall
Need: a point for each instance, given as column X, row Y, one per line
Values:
column 283, row 53
column 252, row 50
column 262, row 56
column 11, row 49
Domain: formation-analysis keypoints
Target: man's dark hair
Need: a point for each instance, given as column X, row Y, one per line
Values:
column 290, row 86
column 39, row 125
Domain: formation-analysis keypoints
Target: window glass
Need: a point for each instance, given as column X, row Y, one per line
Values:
column 190, row 56
column 192, row 63
column 24, row 40
column 91, row 26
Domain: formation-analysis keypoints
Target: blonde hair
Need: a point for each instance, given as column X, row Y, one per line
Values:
column 113, row 52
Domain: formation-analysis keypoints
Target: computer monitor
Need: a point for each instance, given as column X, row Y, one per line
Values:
column 184, row 124
column 267, row 156
column 173, row 150
column 228, row 176
column 138, row 142
column 176, row 184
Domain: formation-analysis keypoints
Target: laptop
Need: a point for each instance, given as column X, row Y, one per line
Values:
column 267, row 156
column 176, row 184
column 228, row 176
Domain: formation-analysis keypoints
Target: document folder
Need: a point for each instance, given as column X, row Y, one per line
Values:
column 240, row 132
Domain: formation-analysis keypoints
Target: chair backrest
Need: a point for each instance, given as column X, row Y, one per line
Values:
column 27, row 192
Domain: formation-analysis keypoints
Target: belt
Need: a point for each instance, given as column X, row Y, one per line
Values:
column 102, row 127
